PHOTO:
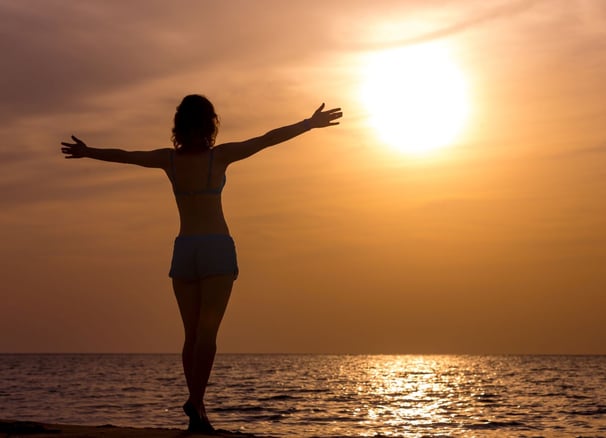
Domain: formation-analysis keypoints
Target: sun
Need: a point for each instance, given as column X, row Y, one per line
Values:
column 417, row 97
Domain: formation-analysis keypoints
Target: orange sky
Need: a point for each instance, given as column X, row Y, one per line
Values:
column 495, row 245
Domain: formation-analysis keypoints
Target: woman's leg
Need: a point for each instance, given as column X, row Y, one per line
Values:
column 214, row 298
column 188, row 299
column 201, row 320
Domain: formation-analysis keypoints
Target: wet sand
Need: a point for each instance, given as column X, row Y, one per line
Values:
column 31, row 429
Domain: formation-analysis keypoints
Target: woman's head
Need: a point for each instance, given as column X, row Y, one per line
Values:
column 196, row 124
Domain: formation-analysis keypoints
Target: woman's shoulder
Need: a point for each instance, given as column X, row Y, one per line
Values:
column 161, row 152
column 224, row 152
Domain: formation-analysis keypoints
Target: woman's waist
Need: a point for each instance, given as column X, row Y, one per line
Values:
column 203, row 227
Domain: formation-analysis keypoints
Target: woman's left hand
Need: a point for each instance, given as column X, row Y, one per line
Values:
column 74, row 150
column 321, row 119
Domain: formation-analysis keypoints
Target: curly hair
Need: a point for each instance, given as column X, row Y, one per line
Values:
column 195, row 117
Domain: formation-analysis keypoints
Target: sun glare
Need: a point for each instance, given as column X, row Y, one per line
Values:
column 416, row 97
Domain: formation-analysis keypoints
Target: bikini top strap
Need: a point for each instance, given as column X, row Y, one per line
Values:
column 210, row 168
column 173, row 169
column 173, row 177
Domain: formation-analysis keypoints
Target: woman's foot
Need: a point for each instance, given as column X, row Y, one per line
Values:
column 190, row 410
column 197, row 423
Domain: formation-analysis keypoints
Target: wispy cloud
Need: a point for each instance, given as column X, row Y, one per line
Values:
column 72, row 50
column 505, row 10
column 585, row 151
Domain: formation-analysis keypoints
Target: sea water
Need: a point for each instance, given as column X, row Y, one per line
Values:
column 318, row 395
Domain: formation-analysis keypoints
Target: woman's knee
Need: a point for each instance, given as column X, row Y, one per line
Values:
column 206, row 342
column 189, row 343
column 206, row 338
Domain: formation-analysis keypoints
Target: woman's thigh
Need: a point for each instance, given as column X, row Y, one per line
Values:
column 188, row 299
column 202, row 304
column 214, row 297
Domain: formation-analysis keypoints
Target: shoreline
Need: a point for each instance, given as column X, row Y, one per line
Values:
column 33, row 429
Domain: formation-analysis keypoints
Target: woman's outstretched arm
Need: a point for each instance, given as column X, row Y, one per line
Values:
column 230, row 152
column 156, row 158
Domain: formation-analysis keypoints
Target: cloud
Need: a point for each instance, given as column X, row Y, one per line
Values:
column 58, row 54
column 504, row 10
column 72, row 50
column 587, row 151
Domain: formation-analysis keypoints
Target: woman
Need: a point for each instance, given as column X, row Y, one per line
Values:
column 204, row 264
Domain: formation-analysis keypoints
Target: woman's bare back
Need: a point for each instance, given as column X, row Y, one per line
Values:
column 197, row 180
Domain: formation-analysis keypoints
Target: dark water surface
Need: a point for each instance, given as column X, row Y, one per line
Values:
column 319, row 395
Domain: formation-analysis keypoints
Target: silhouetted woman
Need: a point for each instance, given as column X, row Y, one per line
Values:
column 204, row 264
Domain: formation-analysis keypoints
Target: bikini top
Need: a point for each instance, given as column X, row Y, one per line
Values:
column 205, row 191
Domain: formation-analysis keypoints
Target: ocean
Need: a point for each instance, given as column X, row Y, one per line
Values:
column 318, row 395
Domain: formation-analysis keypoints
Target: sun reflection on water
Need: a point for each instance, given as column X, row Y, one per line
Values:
column 402, row 393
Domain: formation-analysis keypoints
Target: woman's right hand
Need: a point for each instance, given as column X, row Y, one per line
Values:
column 74, row 150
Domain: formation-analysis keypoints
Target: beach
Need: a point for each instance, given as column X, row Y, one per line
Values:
column 33, row 429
